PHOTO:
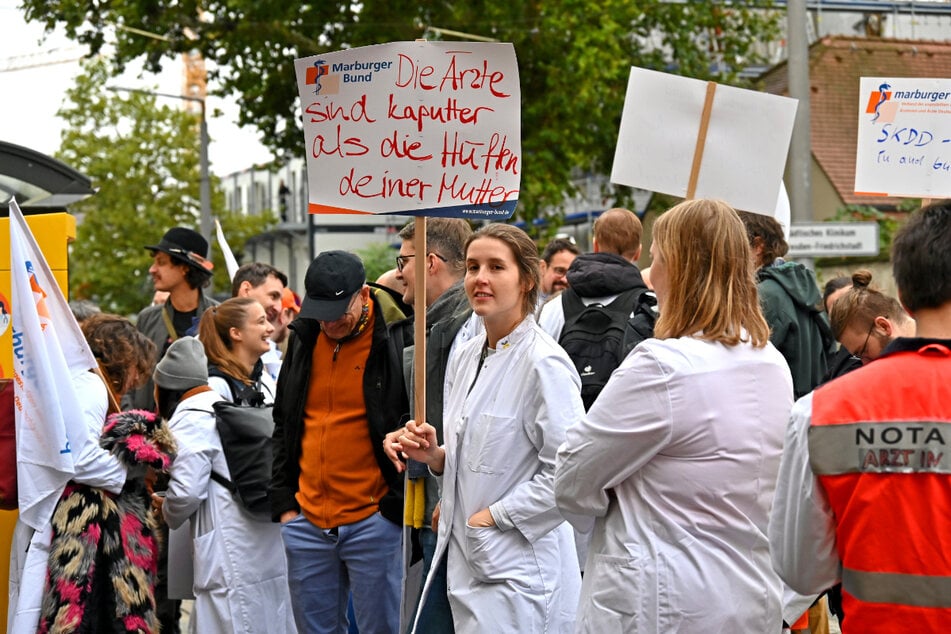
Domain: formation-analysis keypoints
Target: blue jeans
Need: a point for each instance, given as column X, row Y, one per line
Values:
column 435, row 615
column 325, row 565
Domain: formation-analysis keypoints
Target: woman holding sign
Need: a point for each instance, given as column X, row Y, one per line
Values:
column 511, row 395
column 678, row 457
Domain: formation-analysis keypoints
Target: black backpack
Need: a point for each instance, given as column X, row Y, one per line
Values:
column 598, row 337
column 641, row 324
column 245, row 434
column 245, row 427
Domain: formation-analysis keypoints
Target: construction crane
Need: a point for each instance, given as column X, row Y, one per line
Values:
column 39, row 59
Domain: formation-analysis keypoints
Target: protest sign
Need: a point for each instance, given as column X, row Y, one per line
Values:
column 904, row 137
column 698, row 139
column 415, row 128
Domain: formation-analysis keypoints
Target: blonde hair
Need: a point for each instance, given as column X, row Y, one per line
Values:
column 710, row 277
column 214, row 333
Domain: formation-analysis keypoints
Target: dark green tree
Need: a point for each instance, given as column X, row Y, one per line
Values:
column 142, row 157
column 574, row 58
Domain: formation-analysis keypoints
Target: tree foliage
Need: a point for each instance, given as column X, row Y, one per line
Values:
column 574, row 58
column 142, row 158
column 378, row 258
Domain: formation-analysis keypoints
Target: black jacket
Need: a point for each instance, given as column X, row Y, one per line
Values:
column 602, row 275
column 384, row 395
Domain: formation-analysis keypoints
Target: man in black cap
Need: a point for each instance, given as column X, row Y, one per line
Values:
column 179, row 267
column 337, row 495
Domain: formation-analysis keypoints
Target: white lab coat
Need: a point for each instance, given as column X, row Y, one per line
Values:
column 500, row 439
column 678, row 459
column 802, row 524
column 30, row 549
column 240, row 570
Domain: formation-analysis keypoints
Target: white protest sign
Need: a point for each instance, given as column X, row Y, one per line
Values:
column 418, row 128
column 743, row 140
column 904, row 137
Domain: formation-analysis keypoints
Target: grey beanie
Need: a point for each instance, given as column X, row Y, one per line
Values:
column 183, row 367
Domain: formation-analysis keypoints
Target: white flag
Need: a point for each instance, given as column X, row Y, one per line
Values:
column 230, row 262
column 48, row 347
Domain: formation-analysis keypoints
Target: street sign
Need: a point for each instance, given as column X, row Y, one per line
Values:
column 833, row 239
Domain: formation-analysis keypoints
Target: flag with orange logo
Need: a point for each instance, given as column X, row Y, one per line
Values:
column 48, row 348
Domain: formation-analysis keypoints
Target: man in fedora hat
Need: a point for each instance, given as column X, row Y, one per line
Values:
column 180, row 267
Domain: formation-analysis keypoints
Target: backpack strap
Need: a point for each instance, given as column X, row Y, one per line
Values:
column 217, row 477
column 573, row 305
column 225, row 482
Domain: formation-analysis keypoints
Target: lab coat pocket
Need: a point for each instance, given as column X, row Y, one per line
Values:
column 490, row 443
column 209, row 562
column 612, row 588
column 495, row 556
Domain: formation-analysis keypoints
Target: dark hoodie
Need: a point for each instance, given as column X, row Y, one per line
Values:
column 790, row 298
column 602, row 275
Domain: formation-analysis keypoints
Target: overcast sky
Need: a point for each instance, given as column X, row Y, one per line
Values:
column 30, row 97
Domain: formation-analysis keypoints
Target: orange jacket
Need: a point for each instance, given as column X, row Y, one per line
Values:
column 880, row 445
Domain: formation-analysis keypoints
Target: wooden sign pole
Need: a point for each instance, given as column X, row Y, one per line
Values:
column 419, row 319
column 701, row 140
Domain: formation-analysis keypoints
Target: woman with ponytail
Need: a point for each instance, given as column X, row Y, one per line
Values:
column 236, row 335
column 240, row 581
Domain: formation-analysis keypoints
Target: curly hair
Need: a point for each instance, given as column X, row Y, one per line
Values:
column 768, row 232
column 125, row 355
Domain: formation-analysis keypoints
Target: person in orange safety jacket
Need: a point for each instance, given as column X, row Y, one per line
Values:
column 864, row 491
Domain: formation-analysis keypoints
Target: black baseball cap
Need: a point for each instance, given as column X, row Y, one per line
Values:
column 187, row 246
column 331, row 281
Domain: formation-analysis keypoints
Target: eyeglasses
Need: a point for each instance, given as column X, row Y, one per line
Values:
column 401, row 260
column 861, row 354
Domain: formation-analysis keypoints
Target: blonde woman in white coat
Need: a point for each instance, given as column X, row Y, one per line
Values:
column 679, row 455
column 512, row 565
column 240, row 581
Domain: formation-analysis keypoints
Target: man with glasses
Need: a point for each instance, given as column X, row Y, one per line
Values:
column 338, row 497
column 864, row 489
column 866, row 321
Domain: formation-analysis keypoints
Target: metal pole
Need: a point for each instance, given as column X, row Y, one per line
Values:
column 800, row 150
column 204, row 184
column 204, row 187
